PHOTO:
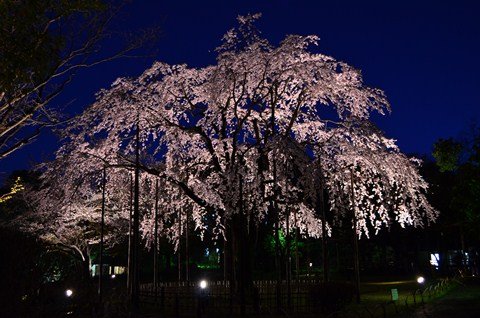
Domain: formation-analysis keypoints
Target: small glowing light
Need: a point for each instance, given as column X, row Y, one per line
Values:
column 113, row 276
column 434, row 259
column 203, row 284
column 420, row 280
column 69, row 293
column 311, row 264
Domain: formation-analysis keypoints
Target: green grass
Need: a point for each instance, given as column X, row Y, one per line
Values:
column 376, row 298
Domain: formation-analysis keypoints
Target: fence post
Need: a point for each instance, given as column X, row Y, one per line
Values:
column 177, row 306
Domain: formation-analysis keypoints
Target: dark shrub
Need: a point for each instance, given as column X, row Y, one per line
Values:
column 331, row 296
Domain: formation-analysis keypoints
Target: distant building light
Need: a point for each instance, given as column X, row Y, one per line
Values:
column 203, row 284
column 435, row 260
column 69, row 293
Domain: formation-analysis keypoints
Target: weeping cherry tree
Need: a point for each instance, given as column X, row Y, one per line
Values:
column 240, row 143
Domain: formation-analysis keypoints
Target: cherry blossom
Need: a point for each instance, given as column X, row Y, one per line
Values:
column 240, row 142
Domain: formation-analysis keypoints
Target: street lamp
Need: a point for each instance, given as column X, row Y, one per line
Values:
column 420, row 279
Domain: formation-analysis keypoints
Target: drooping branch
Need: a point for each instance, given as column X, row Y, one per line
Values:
column 55, row 43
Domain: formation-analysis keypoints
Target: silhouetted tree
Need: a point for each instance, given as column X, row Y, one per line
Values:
column 43, row 44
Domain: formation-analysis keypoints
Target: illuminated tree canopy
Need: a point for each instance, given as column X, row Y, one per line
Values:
column 247, row 140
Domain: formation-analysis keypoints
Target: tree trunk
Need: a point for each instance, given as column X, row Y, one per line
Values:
column 242, row 280
column 136, row 228
column 288, row 267
column 321, row 206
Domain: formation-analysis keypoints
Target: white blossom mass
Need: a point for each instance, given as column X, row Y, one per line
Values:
column 251, row 139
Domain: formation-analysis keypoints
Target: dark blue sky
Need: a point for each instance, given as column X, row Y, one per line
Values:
column 424, row 54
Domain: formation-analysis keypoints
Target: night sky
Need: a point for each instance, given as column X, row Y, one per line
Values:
column 423, row 54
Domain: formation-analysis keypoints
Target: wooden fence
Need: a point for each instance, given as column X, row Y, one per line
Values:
column 183, row 299
column 217, row 299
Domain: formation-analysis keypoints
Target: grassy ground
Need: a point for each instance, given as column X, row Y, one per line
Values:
column 376, row 297
column 376, row 301
column 461, row 302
